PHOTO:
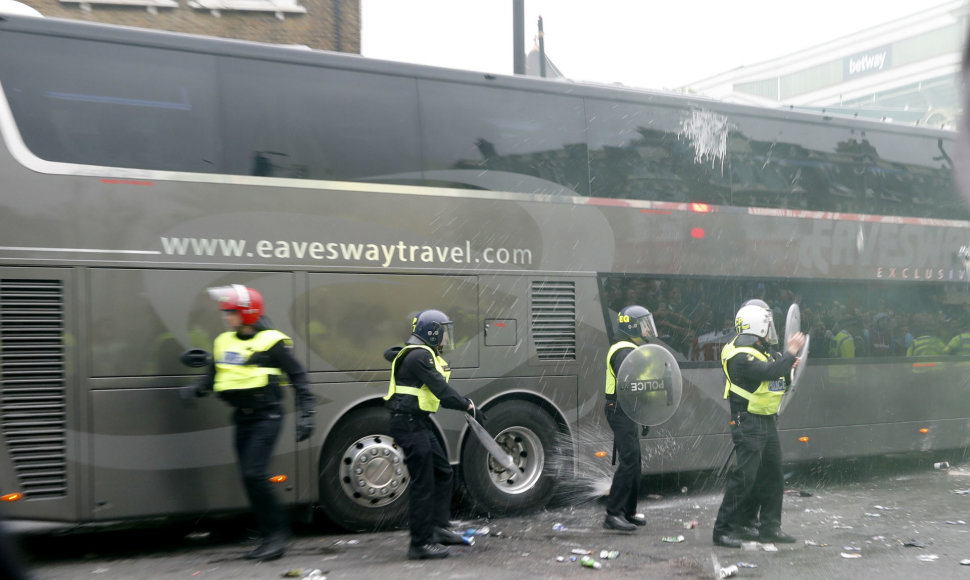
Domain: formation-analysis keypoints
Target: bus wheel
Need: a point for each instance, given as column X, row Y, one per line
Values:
column 529, row 435
column 362, row 474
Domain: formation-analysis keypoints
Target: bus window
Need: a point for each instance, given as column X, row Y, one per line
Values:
column 694, row 316
column 318, row 123
column 78, row 101
column 496, row 139
column 636, row 152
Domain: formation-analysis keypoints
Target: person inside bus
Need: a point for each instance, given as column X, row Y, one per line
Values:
column 249, row 362
column 960, row 343
column 756, row 380
column 418, row 386
column 925, row 341
column 635, row 327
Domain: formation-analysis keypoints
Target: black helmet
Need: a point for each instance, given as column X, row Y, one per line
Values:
column 433, row 328
column 636, row 322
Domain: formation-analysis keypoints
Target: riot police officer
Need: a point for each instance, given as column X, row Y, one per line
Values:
column 756, row 379
column 249, row 361
column 418, row 386
column 635, row 325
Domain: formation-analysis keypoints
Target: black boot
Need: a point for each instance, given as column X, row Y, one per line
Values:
column 272, row 548
column 448, row 537
column 427, row 552
column 618, row 523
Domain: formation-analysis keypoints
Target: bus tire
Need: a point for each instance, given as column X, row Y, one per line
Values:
column 530, row 435
column 362, row 477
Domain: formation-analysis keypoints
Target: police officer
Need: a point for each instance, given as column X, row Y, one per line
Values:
column 247, row 372
column 635, row 325
column 418, row 386
column 755, row 382
column 959, row 344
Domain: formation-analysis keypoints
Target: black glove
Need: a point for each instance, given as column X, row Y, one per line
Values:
column 192, row 391
column 305, row 425
column 475, row 412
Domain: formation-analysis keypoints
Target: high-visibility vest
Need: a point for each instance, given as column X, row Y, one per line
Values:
column 959, row 344
column 767, row 397
column 925, row 346
column 610, row 375
column 427, row 401
column 842, row 346
column 232, row 355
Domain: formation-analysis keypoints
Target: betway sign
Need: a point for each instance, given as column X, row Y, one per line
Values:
column 871, row 61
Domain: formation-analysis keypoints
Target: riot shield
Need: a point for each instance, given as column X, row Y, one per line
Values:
column 649, row 385
column 793, row 325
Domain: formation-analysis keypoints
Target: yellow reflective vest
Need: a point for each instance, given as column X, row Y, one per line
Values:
column 427, row 401
column 232, row 354
column 767, row 397
column 610, row 375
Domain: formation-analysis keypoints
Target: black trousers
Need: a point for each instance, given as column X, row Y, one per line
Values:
column 756, row 480
column 625, row 489
column 429, row 504
column 10, row 564
column 256, row 433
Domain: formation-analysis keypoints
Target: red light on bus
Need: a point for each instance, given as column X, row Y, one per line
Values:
column 803, row 439
column 697, row 233
column 600, row 454
column 278, row 478
column 11, row 496
column 701, row 208
column 924, row 430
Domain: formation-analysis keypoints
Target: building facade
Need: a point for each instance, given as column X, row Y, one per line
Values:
column 318, row 24
column 907, row 70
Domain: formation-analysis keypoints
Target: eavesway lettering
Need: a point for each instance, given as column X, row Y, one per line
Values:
column 383, row 254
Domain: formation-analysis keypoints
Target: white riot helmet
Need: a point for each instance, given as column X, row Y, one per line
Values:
column 756, row 321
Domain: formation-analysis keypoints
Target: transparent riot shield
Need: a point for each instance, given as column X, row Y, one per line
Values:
column 793, row 325
column 649, row 385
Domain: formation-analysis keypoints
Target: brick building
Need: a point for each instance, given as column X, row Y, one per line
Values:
column 319, row 24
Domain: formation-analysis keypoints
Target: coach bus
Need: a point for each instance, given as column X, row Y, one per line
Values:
column 139, row 168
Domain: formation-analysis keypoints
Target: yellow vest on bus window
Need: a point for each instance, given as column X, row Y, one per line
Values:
column 426, row 399
column 767, row 397
column 610, row 375
column 232, row 353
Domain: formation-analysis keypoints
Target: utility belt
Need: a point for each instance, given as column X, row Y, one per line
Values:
column 742, row 416
column 410, row 422
column 249, row 401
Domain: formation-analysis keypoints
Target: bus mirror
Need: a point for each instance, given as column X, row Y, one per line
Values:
column 196, row 357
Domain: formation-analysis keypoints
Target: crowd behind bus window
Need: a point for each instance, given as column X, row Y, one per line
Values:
column 695, row 317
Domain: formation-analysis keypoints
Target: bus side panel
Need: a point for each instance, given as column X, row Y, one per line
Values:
column 155, row 453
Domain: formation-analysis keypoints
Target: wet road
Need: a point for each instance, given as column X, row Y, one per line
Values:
column 896, row 520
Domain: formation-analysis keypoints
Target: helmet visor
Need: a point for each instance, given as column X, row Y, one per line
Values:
column 772, row 337
column 447, row 341
column 224, row 296
column 647, row 327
